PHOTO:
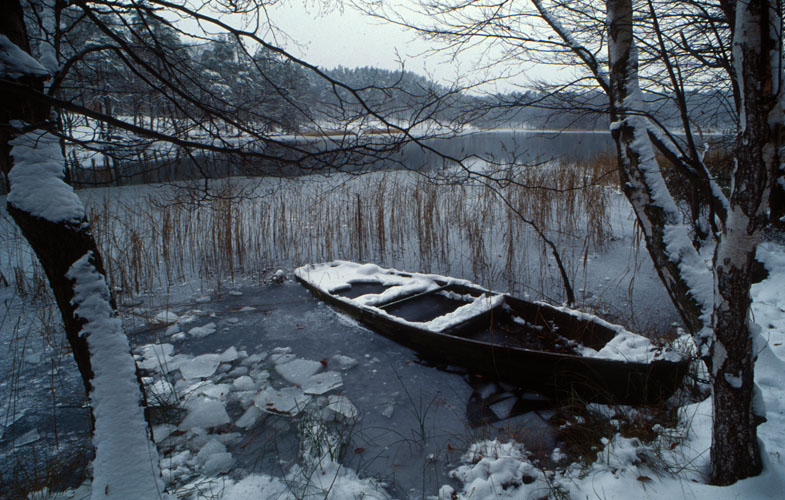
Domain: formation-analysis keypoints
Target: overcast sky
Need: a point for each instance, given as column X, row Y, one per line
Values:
column 350, row 38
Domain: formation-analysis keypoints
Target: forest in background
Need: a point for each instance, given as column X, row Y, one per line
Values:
column 266, row 91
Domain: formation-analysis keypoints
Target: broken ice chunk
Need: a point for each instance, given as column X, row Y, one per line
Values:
column 164, row 318
column 249, row 418
column 163, row 431
column 229, row 355
column 211, row 390
column 244, row 383
column 214, row 458
column 156, row 356
column 503, row 408
column 204, row 412
column 202, row 331
column 162, row 392
column 342, row 406
column 254, row 359
column 287, row 401
column 344, row 362
column 282, row 358
column 32, row 358
column 201, row 366
column 322, row 383
column 298, row 371
column 30, row 437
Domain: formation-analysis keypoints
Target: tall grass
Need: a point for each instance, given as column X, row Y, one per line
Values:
column 153, row 238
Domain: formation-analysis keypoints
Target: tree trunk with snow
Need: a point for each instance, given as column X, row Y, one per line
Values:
column 757, row 53
column 57, row 244
column 52, row 219
column 720, row 317
column 641, row 178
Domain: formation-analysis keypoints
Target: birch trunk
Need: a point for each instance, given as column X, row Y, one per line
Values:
column 757, row 53
column 720, row 317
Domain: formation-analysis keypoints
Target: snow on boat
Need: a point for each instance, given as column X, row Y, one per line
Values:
column 558, row 352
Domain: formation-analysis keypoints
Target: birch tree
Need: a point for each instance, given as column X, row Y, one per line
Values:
column 703, row 245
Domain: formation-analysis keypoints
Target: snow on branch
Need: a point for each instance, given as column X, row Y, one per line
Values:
column 582, row 52
column 38, row 179
column 649, row 193
column 15, row 63
column 126, row 461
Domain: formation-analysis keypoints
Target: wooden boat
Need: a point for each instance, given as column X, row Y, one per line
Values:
column 555, row 351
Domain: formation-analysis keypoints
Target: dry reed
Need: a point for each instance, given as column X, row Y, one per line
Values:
column 400, row 219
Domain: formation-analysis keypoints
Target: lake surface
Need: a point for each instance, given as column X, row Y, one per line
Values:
column 498, row 146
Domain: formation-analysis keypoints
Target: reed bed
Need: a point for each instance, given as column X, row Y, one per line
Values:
column 154, row 237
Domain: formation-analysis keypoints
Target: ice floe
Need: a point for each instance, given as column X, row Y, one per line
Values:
column 287, row 401
column 202, row 331
column 298, row 371
column 204, row 412
column 201, row 366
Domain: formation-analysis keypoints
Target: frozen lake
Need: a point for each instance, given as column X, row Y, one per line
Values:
column 412, row 424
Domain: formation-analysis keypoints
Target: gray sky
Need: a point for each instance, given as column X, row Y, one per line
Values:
column 349, row 38
column 324, row 34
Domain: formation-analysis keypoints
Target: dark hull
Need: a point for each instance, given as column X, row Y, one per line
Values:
column 555, row 375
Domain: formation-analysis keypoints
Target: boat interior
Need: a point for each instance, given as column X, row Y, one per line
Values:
column 517, row 323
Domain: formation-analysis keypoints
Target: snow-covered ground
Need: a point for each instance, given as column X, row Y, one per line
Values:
column 264, row 392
